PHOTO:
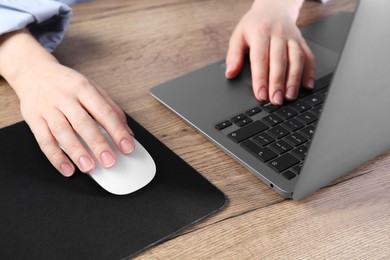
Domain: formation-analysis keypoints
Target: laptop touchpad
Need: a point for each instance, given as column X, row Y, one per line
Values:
column 326, row 62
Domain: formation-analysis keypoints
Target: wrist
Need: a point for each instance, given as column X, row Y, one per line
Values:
column 19, row 51
column 292, row 7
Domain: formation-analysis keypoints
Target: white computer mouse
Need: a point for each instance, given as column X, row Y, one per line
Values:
column 130, row 172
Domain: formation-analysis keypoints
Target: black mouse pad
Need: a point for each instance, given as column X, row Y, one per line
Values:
column 46, row 216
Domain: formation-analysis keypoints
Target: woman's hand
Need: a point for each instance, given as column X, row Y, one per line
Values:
column 280, row 59
column 58, row 102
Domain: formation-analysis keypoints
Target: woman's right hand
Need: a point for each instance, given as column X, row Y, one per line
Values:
column 280, row 59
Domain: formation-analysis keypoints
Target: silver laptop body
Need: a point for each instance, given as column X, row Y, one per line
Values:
column 352, row 128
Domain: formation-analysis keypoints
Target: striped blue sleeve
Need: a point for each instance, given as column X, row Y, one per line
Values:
column 47, row 20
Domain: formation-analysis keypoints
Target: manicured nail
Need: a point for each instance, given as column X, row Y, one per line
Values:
column 107, row 159
column 310, row 83
column 278, row 97
column 291, row 92
column 66, row 169
column 229, row 69
column 85, row 163
column 127, row 146
column 263, row 93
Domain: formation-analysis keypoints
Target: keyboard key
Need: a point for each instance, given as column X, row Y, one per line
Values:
column 308, row 131
column 307, row 118
column 323, row 82
column 269, row 107
column 263, row 139
column 300, row 106
column 280, row 147
column 286, row 113
column 272, row 120
column 300, row 152
column 303, row 92
column 288, row 175
column 322, row 93
column 297, row 168
column 316, row 111
column 244, row 121
column 278, row 132
column 253, row 111
column 238, row 118
column 247, row 131
column 293, row 125
column 223, row 125
column 314, row 100
column 296, row 139
column 319, row 84
column 283, row 162
column 263, row 153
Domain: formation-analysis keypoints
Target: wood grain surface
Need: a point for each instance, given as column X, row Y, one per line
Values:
column 127, row 47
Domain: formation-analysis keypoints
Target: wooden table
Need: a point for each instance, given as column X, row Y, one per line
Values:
column 127, row 47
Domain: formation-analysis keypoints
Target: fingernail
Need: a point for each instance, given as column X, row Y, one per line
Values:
column 66, row 169
column 291, row 92
column 229, row 69
column 310, row 83
column 85, row 163
column 278, row 97
column 127, row 146
column 263, row 93
column 107, row 159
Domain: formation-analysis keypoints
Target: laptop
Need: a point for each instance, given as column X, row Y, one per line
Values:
column 304, row 145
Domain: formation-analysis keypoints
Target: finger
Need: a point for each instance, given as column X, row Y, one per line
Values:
column 89, row 132
column 278, row 66
column 105, row 115
column 116, row 108
column 296, row 62
column 309, row 70
column 65, row 136
column 259, row 56
column 235, row 54
column 119, row 111
column 50, row 148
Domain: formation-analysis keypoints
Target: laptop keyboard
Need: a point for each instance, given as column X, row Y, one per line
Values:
column 282, row 137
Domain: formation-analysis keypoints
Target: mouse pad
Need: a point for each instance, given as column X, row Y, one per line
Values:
column 46, row 216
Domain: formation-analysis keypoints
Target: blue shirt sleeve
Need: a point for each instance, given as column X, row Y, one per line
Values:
column 47, row 20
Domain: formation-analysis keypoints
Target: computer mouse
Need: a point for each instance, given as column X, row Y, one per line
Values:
column 130, row 173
